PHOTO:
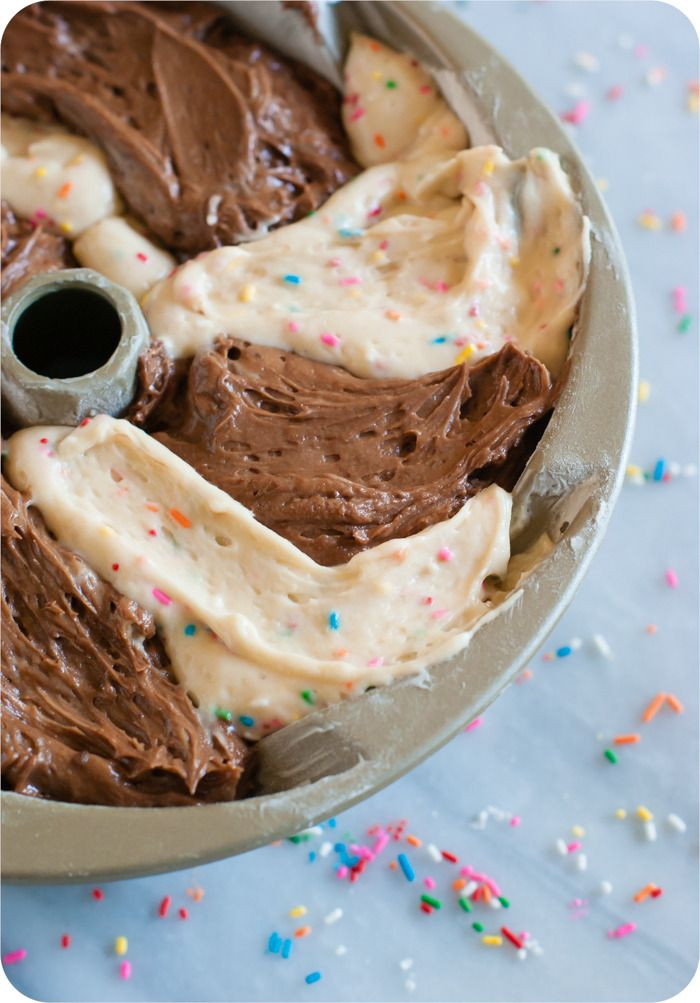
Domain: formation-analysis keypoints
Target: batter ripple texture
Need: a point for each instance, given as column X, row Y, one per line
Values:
column 211, row 138
column 89, row 712
column 335, row 463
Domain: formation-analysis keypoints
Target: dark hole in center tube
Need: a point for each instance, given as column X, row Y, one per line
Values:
column 67, row 333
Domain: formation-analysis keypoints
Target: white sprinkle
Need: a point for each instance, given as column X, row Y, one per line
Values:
column 575, row 644
column 522, row 953
column 582, row 861
column 213, row 209
column 536, row 949
column 601, row 646
column 561, row 847
column 469, row 889
column 325, row 849
column 410, row 985
column 333, row 917
column 576, row 89
column 494, row 903
column 587, row 61
column 650, row 830
column 340, row 950
column 674, row 468
column 406, row 964
column 690, row 470
column 605, row 887
column 676, row 823
column 434, row 853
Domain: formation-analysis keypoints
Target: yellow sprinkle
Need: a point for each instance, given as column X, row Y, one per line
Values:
column 121, row 945
column 644, row 813
column 465, row 354
column 620, row 813
column 492, row 941
column 649, row 220
column 633, row 470
column 514, row 262
column 378, row 256
column 66, row 226
column 40, row 172
column 603, row 184
column 298, row 910
column 376, row 75
column 77, row 160
column 693, row 103
column 644, row 391
column 578, row 830
column 106, row 531
column 247, row 294
column 488, row 167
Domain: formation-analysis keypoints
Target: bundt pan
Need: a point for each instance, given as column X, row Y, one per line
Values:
column 335, row 757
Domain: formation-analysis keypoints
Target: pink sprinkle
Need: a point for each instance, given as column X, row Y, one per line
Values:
column 641, row 50
column 438, row 614
column 622, row 931
column 578, row 114
column 474, row 724
column 480, row 187
column 429, row 883
column 182, row 912
column 330, row 339
column 293, row 326
column 428, row 601
column 352, row 280
column 445, row 554
column 383, row 245
column 573, row 847
column 382, row 840
column 342, row 871
column 125, row 970
column 162, row 597
column 358, row 113
column 474, row 310
column 671, row 578
column 376, row 211
column 678, row 222
column 615, row 92
column 12, row 957
column 141, row 256
column 680, row 303
column 425, row 88
column 376, row 662
column 334, row 263
column 441, row 287
column 516, row 820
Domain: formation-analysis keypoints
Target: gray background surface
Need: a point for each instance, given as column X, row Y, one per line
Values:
column 539, row 751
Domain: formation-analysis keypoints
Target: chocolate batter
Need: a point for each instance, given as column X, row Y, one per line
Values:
column 211, row 138
column 337, row 464
column 29, row 250
column 89, row 712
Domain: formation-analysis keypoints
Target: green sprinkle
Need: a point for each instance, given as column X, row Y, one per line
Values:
column 465, row 904
column 391, row 85
column 190, row 630
column 301, row 837
column 429, row 900
column 223, row 715
column 479, row 927
column 308, row 695
column 504, row 901
column 610, row 756
column 684, row 323
column 556, row 250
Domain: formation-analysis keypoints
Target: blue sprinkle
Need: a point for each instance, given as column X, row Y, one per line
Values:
column 286, row 948
column 332, row 823
column 565, row 650
column 247, row 720
column 312, row 856
column 333, row 620
column 351, row 861
column 348, row 231
column 659, row 468
column 293, row 280
column 312, row 977
column 190, row 630
column 405, row 865
column 439, row 341
column 274, row 943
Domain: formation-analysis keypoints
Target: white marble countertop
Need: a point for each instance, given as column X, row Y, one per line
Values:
column 538, row 753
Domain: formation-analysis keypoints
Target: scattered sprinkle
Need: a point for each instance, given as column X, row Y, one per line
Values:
column 492, row 940
column 610, row 756
column 13, row 957
column 579, row 113
column 601, row 646
column 190, row 630
column 678, row 221
column 98, row 894
column 676, row 823
column 292, row 280
column 333, row 917
column 605, row 887
column 671, row 578
column 162, row 597
column 649, row 220
column 121, row 945
column 164, row 906
column 622, row 931
column 125, row 970
column 177, row 515
column 405, row 865
column 247, row 294
column 330, row 339
column 65, row 940
column 312, row 977
column 626, row 739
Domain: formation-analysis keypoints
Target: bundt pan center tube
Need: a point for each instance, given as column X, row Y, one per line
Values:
column 333, row 758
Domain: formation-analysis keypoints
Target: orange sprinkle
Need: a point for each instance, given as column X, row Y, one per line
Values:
column 392, row 315
column 151, row 507
column 653, row 707
column 486, row 893
column 375, row 46
column 414, row 841
column 644, row 893
column 302, row 931
column 674, row 703
column 379, row 140
column 196, row 893
column 179, row 517
column 65, row 190
column 350, row 685
column 459, row 884
column 651, row 628
column 626, row 739
column 393, row 865
column 401, row 195
column 340, row 652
